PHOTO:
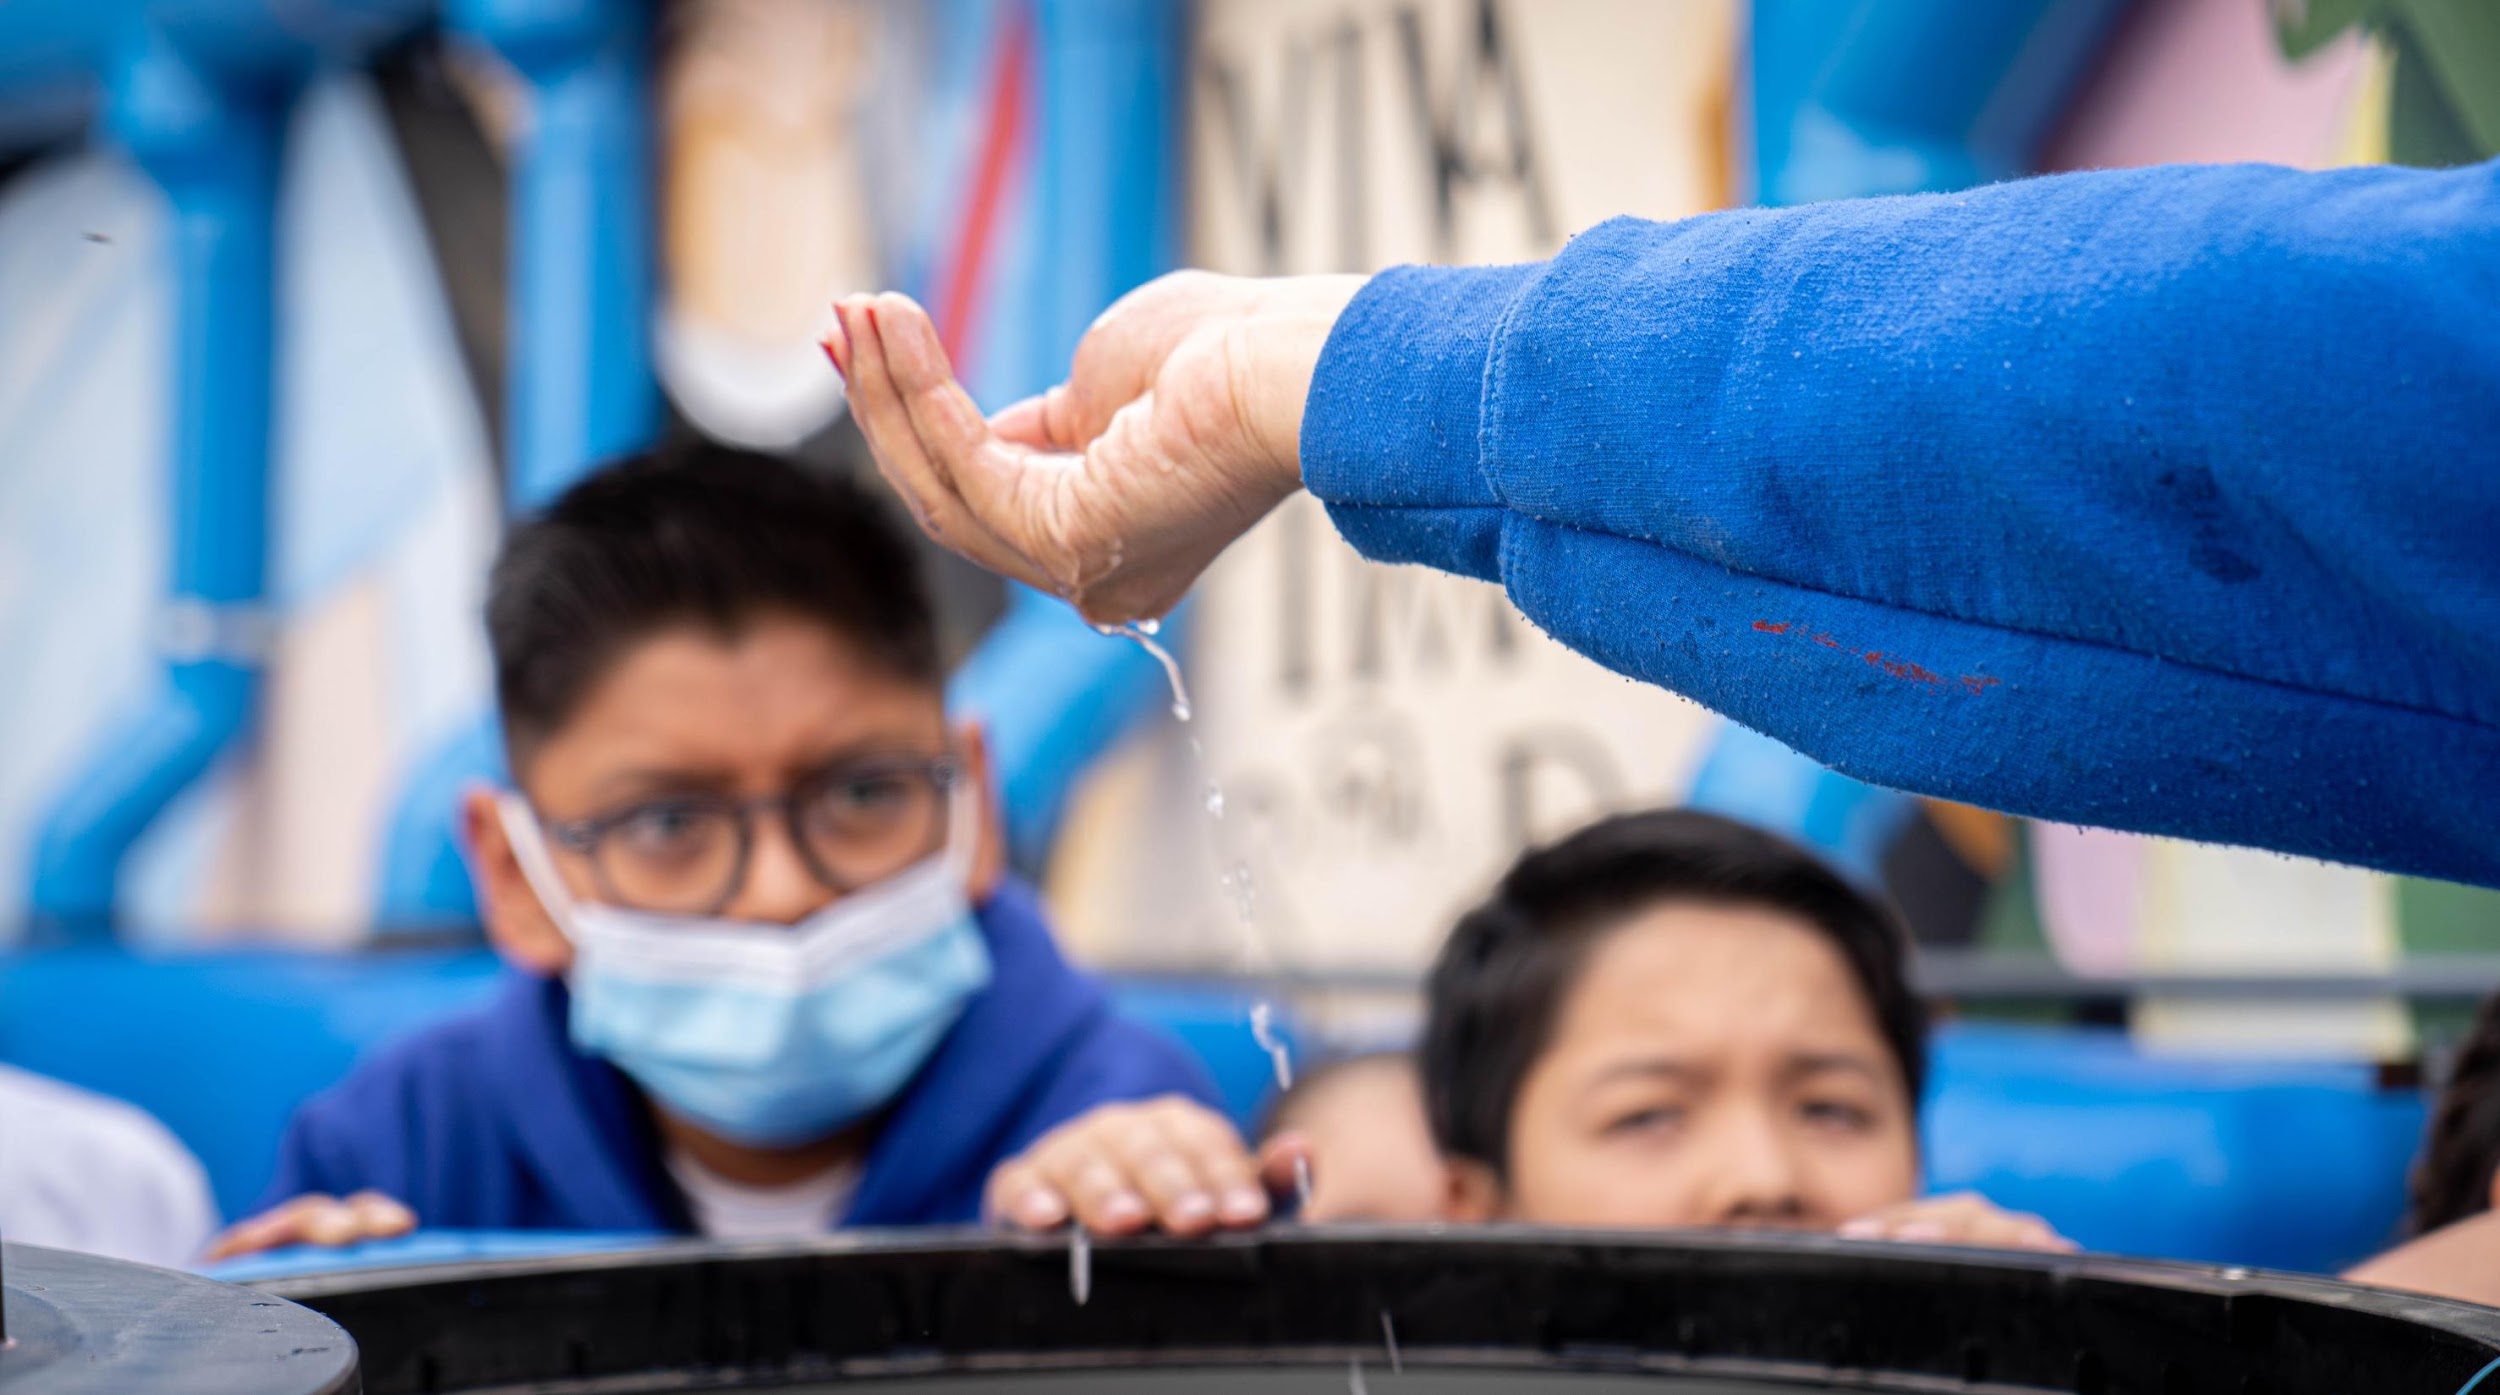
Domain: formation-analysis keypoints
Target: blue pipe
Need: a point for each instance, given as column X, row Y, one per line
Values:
column 582, row 388
column 54, row 53
column 1862, row 97
column 212, row 143
column 1052, row 695
column 1106, row 211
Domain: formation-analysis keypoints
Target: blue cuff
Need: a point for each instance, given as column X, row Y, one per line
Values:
column 1396, row 408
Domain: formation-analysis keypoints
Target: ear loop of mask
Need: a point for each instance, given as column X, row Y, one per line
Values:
column 963, row 827
column 529, row 848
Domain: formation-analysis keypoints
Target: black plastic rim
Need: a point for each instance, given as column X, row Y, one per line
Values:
column 1811, row 1310
column 80, row 1325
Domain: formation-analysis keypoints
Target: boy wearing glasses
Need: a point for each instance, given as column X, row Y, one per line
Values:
column 773, row 979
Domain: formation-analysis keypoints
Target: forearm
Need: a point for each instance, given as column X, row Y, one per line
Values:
column 2162, row 499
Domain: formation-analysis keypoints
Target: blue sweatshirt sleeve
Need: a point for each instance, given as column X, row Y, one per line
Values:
column 2165, row 500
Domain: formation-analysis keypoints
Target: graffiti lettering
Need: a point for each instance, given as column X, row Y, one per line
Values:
column 1468, row 133
column 1445, row 127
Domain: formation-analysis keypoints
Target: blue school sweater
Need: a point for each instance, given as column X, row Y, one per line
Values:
column 2164, row 500
column 495, row 1121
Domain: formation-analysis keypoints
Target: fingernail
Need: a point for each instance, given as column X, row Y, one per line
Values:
column 1862, row 1230
column 1244, row 1204
column 1918, row 1231
column 1192, row 1208
column 833, row 354
column 1040, row 1210
column 1124, row 1208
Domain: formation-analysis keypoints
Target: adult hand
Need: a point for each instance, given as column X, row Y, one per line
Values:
column 315, row 1219
column 1121, row 1168
column 1964, row 1218
column 1178, row 428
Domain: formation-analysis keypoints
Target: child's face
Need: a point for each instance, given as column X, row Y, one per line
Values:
column 1711, row 1065
column 691, row 712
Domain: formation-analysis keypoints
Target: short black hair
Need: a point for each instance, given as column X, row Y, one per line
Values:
column 700, row 533
column 2461, row 1147
column 1499, row 984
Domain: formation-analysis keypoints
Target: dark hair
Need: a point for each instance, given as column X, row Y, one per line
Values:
column 2461, row 1148
column 694, row 533
column 1502, row 977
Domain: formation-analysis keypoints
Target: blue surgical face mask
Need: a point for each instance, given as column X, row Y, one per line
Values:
column 771, row 1034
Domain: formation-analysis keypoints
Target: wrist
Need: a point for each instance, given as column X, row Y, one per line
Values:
column 1298, row 322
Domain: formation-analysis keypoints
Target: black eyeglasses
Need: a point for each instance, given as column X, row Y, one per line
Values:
column 853, row 825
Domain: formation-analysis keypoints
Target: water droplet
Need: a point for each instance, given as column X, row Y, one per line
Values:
column 1150, row 627
column 1243, row 888
column 1143, row 632
column 1215, row 800
column 1263, row 1031
column 1080, row 1265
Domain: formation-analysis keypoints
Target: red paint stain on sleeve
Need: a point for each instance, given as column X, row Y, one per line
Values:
column 1902, row 669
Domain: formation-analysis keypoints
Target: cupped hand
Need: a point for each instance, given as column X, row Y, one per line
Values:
column 1169, row 1163
column 1963, row 1218
column 1178, row 428
column 315, row 1219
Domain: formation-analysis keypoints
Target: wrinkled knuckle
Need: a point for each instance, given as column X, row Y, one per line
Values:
column 1100, row 1179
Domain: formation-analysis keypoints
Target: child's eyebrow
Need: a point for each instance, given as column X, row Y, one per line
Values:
column 1648, row 1068
column 641, row 781
column 1826, row 1062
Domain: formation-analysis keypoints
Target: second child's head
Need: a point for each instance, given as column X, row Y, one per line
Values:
column 721, row 695
column 1670, row 1019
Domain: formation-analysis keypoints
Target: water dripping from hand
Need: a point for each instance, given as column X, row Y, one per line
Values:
column 1144, row 632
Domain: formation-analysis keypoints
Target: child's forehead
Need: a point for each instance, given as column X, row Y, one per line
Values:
column 1701, row 962
column 775, row 695
column 770, row 658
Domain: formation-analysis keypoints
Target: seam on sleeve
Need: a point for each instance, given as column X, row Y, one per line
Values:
column 1489, row 393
